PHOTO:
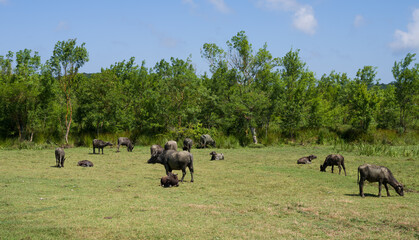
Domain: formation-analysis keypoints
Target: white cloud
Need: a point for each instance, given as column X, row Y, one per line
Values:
column 303, row 19
column 359, row 21
column 220, row 5
column 407, row 40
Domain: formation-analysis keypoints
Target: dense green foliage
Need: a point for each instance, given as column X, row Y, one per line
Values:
column 248, row 96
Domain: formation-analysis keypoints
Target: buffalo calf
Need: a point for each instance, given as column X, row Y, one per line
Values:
column 332, row 160
column 306, row 160
column 169, row 180
column 99, row 144
column 216, row 156
column 85, row 163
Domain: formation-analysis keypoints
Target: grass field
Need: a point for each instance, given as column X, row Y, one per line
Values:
column 253, row 194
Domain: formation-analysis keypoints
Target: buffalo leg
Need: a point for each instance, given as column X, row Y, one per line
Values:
column 102, row 150
column 361, row 187
column 344, row 169
column 183, row 174
column 62, row 162
column 191, row 170
column 340, row 168
column 388, row 193
column 117, row 150
column 57, row 161
column 379, row 188
column 332, row 168
column 93, row 149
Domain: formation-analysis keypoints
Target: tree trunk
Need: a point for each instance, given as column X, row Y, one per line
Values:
column 254, row 137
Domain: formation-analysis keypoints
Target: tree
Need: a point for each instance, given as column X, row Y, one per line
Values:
column 298, row 83
column 407, row 86
column 248, row 97
column 65, row 62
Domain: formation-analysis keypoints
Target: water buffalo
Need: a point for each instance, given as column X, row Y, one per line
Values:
column 169, row 180
column 216, row 156
column 187, row 144
column 124, row 141
column 306, row 160
column 207, row 140
column 170, row 145
column 332, row 160
column 85, row 163
column 380, row 174
column 173, row 160
column 99, row 144
column 59, row 157
column 155, row 149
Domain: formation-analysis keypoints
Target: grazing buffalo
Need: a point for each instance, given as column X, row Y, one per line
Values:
column 306, row 160
column 332, row 160
column 216, row 156
column 380, row 174
column 85, row 163
column 59, row 157
column 169, row 180
column 99, row 144
column 207, row 140
column 187, row 144
column 173, row 160
column 155, row 149
column 170, row 145
column 124, row 141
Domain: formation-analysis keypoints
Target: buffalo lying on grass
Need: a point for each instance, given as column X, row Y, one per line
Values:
column 99, row 144
column 380, row 174
column 169, row 180
column 85, row 163
column 332, row 160
column 173, row 160
column 306, row 160
column 207, row 140
column 155, row 149
column 124, row 141
column 59, row 157
column 170, row 145
column 187, row 144
column 216, row 156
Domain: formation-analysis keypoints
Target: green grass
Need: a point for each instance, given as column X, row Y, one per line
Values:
column 256, row 193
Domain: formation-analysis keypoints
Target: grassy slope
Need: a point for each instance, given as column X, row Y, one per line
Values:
column 253, row 194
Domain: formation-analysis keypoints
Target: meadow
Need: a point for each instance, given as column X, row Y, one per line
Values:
column 255, row 193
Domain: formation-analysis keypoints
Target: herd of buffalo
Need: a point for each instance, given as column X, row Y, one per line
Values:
column 172, row 159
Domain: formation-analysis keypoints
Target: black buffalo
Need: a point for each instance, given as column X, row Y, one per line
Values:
column 59, row 157
column 124, row 141
column 155, row 149
column 207, row 140
column 380, row 174
column 173, row 160
column 99, row 144
column 170, row 145
column 332, row 160
column 187, row 144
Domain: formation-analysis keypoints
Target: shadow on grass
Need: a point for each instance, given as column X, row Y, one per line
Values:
column 357, row 195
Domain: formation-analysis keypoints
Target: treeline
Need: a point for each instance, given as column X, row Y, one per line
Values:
column 249, row 96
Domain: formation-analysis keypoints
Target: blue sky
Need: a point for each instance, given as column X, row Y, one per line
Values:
column 332, row 34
